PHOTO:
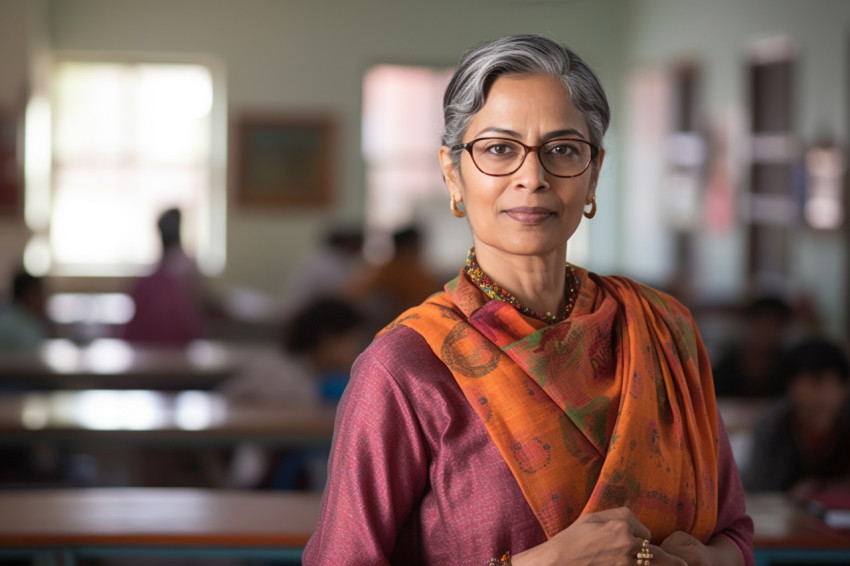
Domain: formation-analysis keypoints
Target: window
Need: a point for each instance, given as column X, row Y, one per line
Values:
column 126, row 141
column 402, row 122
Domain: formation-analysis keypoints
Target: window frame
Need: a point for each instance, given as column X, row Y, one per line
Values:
column 40, row 164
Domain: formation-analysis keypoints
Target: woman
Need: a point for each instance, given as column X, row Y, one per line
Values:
column 531, row 409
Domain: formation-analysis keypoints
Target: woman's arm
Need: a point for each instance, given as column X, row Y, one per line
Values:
column 733, row 523
column 377, row 472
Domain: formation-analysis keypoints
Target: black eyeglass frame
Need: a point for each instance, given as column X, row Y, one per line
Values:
column 594, row 151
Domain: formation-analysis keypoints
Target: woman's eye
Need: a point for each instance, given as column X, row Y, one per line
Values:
column 563, row 149
column 499, row 149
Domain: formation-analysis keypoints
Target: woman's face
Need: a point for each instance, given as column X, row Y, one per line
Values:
column 529, row 212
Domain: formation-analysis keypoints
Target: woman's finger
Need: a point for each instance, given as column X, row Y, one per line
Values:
column 660, row 556
column 637, row 528
column 679, row 538
column 637, row 546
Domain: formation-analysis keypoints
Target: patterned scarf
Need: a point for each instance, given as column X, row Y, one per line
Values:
column 612, row 407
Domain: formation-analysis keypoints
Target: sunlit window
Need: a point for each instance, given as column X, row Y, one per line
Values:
column 402, row 123
column 128, row 141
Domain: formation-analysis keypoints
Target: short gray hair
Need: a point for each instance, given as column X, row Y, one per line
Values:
column 521, row 54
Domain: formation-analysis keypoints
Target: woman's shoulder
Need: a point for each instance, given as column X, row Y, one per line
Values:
column 402, row 355
column 627, row 286
column 394, row 344
column 399, row 373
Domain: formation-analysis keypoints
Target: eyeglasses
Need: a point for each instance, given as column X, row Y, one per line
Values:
column 498, row 157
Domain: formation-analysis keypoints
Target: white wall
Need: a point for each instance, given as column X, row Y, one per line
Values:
column 298, row 55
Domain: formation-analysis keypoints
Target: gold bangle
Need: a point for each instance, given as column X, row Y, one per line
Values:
column 644, row 555
column 505, row 560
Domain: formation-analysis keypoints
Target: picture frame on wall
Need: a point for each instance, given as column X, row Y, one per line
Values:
column 285, row 160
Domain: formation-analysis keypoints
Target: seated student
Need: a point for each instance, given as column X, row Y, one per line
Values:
column 319, row 344
column 23, row 322
column 169, row 302
column 337, row 263
column 23, row 327
column 328, row 336
column 802, row 441
column 390, row 289
column 749, row 367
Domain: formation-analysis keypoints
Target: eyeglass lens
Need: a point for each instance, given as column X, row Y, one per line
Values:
column 499, row 156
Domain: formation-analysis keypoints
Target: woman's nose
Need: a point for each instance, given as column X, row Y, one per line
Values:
column 531, row 175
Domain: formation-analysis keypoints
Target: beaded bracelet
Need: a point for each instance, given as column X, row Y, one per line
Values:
column 505, row 560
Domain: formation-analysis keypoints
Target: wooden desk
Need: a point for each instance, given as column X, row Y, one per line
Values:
column 740, row 417
column 786, row 533
column 71, row 524
column 61, row 526
column 115, row 364
column 155, row 417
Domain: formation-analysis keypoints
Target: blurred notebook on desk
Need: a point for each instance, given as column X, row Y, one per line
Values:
column 832, row 506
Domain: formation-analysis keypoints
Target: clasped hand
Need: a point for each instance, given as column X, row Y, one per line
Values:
column 613, row 538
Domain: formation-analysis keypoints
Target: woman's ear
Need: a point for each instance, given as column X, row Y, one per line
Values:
column 595, row 168
column 451, row 174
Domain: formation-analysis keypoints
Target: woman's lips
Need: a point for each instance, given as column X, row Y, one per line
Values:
column 529, row 215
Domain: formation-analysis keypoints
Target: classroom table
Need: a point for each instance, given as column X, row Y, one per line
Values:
column 59, row 527
column 786, row 533
column 108, row 363
column 740, row 416
column 132, row 438
column 143, row 417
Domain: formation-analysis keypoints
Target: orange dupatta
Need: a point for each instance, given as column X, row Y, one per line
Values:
column 612, row 407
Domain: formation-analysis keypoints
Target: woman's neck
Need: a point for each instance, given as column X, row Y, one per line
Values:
column 537, row 282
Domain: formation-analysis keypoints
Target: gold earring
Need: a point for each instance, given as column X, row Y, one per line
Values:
column 592, row 212
column 455, row 210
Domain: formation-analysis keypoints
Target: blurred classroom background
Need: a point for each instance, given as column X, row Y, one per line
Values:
column 207, row 208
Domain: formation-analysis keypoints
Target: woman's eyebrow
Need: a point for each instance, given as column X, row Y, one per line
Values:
column 568, row 132
column 496, row 130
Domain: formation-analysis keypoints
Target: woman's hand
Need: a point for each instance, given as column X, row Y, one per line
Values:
column 689, row 549
column 719, row 551
column 610, row 538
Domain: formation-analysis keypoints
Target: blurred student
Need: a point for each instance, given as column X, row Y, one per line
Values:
column 327, row 335
column 750, row 366
column 405, row 281
column 319, row 344
column 802, row 441
column 23, row 327
column 169, row 305
column 337, row 263
column 23, row 322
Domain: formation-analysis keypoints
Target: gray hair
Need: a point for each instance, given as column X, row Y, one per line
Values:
column 521, row 54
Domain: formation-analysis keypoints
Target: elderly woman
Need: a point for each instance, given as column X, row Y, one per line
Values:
column 531, row 412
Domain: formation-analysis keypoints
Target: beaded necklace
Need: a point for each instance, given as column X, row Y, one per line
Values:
column 494, row 291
